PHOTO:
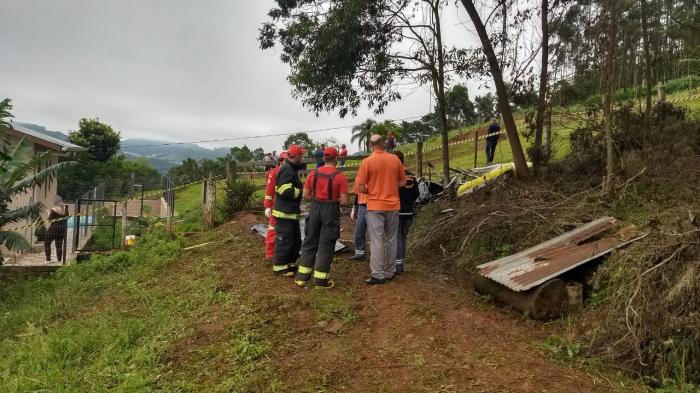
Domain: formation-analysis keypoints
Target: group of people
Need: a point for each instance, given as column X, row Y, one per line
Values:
column 383, row 207
column 318, row 154
column 270, row 160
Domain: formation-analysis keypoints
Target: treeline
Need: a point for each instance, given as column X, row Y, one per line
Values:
column 344, row 54
column 190, row 170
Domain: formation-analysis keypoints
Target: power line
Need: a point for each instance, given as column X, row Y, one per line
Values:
column 258, row 136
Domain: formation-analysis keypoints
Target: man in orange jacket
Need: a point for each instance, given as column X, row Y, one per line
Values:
column 269, row 202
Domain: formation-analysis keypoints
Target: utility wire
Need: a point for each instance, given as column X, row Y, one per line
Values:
column 258, row 136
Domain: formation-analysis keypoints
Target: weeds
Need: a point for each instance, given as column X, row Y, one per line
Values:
column 334, row 305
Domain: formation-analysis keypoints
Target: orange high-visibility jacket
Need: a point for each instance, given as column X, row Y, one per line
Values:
column 269, row 199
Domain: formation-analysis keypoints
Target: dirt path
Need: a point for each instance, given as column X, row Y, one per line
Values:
column 422, row 332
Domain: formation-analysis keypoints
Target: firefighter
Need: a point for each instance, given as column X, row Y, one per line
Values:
column 286, row 211
column 269, row 202
column 327, row 188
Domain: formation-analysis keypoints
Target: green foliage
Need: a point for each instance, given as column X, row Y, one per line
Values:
column 258, row 154
column 327, row 52
column 115, row 173
column 241, row 154
column 460, row 110
column 561, row 347
column 419, row 130
column 301, row 139
column 186, row 172
column 385, row 127
column 238, row 197
column 485, row 106
column 99, row 138
column 5, row 114
column 44, row 349
column 20, row 171
column 681, row 84
column 102, row 163
column 361, row 134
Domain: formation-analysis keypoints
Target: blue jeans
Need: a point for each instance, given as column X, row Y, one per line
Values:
column 404, row 225
column 361, row 229
column 490, row 150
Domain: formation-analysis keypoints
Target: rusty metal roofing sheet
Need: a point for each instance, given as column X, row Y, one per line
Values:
column 538, row 264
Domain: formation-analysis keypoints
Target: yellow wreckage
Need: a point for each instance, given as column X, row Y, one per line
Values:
column 489, row 174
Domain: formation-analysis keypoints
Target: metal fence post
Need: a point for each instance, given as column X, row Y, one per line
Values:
column 65, row 238
column 124, row 224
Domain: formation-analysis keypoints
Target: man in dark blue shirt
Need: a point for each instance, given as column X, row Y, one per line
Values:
column 492, row 140
column 318, row 156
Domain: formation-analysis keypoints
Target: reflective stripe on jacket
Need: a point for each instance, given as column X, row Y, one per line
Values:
column 287, row 192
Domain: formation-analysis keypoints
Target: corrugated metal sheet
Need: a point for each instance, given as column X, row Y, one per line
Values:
column 538, row 264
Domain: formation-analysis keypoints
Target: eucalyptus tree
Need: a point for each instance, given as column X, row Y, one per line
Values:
column 346, row 53
column 501, row 92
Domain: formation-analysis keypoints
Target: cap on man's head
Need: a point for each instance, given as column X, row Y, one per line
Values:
column 330, row 152
column 295, row 150
column 283, row 155
column 376, row 139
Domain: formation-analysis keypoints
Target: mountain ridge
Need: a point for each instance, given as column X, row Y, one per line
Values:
column 162, row 154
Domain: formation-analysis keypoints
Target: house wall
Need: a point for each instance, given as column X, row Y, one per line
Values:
column 43, row 194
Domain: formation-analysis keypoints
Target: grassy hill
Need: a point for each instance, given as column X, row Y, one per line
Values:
column 565, row 121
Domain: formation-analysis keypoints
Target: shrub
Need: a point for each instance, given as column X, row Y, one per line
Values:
column 239, row 194
column 680, row 84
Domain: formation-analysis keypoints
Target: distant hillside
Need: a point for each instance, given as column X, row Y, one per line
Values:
column 43, row 130
column 162, row 157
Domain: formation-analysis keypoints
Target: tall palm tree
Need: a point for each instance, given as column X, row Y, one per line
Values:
column 362, row 133
column 20, row 171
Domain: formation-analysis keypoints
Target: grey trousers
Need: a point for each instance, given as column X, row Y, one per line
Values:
column 383, row 227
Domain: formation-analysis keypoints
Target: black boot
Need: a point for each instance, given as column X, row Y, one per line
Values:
column 374, row 281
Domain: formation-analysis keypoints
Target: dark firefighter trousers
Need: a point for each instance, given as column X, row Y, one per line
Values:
column 321, row 232
column 287, row 244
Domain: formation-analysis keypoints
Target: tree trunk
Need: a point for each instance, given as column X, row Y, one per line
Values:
column 647, row 65
column 608, row 72
column 439, row 85
column 503, row 104
column 542, row 97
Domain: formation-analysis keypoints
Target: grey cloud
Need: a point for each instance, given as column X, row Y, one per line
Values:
column 162, row 69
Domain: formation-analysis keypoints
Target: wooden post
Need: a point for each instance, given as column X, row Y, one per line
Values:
column 124, row 223
column 419, row 159
column 209, row 204
column 662, row 92
column 230, row 171
column 476, row 146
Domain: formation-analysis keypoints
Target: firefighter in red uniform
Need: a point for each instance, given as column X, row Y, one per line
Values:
column 327, row 188
column 269, row 202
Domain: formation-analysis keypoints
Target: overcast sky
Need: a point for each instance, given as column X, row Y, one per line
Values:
column 174, row 70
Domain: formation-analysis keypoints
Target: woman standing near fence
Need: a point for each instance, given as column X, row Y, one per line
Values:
column 57, row 229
